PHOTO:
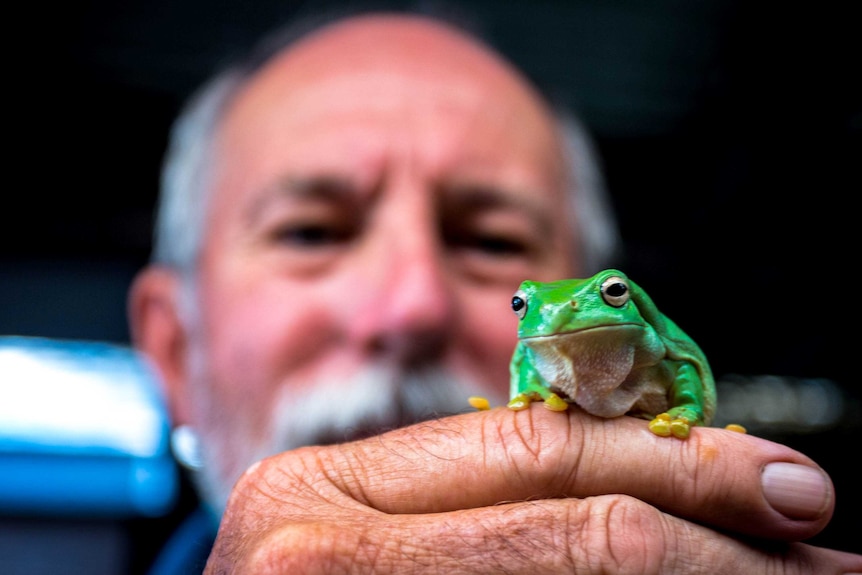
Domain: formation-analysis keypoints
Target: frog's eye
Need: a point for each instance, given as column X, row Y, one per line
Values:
column 615, row 291
column 519, row 304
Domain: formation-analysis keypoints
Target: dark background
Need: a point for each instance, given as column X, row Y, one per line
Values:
column 729, row 130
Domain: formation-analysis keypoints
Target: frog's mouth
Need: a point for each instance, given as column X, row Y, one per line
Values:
column 586, row 331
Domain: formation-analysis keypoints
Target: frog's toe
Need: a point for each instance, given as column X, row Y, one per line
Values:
column 680, row 427
column 660, row 425
column 519, row 402
column 664, row 425
column 480, row 403
column 555, row 403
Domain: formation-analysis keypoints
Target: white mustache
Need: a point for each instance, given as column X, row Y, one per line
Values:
column 374, row 400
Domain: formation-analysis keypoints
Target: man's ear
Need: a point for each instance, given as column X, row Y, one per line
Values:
column 157, row 331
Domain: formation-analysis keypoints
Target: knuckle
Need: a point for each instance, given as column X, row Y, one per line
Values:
column 538, row 444
column 706, row 474
column 622, row 535
column 280, row 519
column 290, row 482
column 308, row 547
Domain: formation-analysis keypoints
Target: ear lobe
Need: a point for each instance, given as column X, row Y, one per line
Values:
column 158, row 332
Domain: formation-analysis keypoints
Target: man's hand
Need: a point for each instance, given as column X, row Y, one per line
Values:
column 531, row 492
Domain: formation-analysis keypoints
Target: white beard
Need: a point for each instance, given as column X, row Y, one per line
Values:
column 372, row 401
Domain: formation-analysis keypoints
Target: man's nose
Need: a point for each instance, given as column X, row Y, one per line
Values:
column 409, row 303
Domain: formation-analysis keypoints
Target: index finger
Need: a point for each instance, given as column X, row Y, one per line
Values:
column 725, row 479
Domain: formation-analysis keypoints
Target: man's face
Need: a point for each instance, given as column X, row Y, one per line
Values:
column 380, row 192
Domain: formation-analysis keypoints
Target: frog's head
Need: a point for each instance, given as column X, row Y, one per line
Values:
column 565, row 306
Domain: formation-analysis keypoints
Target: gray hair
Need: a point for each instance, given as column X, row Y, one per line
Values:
column 183, row 202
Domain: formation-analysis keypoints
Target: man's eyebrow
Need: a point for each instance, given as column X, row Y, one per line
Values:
column 479, row 197
column 327, row 188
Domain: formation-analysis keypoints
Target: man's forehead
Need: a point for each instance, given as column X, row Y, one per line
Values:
column 309, row 108
column 390, row 41
column 388, row 45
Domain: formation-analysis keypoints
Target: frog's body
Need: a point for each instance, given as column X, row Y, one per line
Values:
column 602, row 344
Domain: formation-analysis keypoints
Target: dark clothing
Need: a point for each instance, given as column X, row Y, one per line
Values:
column 187, row 549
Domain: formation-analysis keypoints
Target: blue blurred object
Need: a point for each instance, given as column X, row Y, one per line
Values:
column 83, row 432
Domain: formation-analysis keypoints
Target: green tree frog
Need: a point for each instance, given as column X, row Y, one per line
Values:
column 602, row 344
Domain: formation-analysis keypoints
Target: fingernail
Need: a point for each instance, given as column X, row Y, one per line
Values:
column 796, row 491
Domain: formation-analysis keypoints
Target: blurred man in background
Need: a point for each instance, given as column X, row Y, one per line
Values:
column 344, row 219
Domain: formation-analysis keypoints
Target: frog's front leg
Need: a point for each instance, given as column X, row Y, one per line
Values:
column 686, row 397
column 528, row 386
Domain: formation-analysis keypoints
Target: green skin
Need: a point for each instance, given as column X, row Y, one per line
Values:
column 610, row 351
